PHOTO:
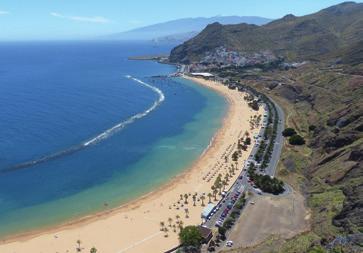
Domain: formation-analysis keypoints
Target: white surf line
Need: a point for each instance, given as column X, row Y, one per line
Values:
column 109, row 132
column 133, row 118
column 140, row 242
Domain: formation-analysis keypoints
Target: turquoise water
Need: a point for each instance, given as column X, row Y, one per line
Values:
column 126, row 165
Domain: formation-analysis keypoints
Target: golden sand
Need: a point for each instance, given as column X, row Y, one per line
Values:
column 135, row 227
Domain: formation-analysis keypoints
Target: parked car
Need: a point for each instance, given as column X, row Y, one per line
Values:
column 229, row 243
column 218, row 224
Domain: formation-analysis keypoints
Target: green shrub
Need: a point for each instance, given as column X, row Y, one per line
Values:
column 247, row 141
column 254, row 105
column 190, row 236
column 265, row 182
column 222, row 230
column 296, row 140
column 228, row 223
column 312, row 128
column 289, row 132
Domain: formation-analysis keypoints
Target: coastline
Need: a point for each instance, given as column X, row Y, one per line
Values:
column 128, row 205
column 139, row 208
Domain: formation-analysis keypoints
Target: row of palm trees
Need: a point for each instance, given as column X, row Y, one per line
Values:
column 255, row 121
column 220, row 184
column 222, row 181
column 242, row 145
column 195, row 198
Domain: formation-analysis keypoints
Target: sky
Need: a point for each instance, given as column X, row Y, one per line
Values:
column 81, row 19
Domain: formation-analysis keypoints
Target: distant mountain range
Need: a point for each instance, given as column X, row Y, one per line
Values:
column 306, row 37
column 181, row 29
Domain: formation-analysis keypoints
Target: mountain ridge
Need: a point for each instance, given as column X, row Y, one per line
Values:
column 180, row 26
column 295, row 38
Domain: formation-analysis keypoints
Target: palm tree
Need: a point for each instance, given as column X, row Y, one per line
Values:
column 186, row 212
column 220, row 185
column 181, row 223
column 194, row 199
column 224, row 183
column 226, row 177
column 232, row 170
column 162, row 225
column 166, row 230
column 79, row 249
column 186, row 198
column 202, row 198
column 93, row 250
column 210, row 196
column 170, row 220
column 213, row 188
column 215, row 191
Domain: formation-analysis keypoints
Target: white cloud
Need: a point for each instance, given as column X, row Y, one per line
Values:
column 4, row 12
column 95, row 19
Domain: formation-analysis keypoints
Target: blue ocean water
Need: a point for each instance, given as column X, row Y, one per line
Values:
column 62, row 105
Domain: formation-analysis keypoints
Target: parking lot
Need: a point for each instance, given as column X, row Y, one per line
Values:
column 243, row 183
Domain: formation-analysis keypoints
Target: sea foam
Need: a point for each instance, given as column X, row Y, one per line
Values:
column 130, row 120
column 102, row 136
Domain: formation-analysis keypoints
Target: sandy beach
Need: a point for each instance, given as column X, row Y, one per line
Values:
column 135, row 227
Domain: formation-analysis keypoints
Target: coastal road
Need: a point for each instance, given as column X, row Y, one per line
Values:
column 242, row 182
column 279, row 141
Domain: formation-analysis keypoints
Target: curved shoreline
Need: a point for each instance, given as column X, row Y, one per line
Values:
column 129, row 204
column 147, row 201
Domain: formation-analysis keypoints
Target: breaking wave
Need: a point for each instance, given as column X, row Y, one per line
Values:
column 102, row 136
column 130, row 120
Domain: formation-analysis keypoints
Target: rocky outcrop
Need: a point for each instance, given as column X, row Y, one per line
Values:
column 339, row 141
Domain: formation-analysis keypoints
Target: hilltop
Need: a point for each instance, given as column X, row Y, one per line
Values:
column 294, row 38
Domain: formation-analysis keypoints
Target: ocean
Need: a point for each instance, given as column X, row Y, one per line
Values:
column 83, row 129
